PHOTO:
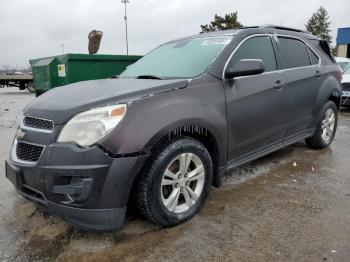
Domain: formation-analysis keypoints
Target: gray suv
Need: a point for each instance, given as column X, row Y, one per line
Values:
column 162, row 133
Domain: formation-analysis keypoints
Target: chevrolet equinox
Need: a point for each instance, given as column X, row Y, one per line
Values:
column 165, row 130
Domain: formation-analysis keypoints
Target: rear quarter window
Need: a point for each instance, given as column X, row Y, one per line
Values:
column 323, row 47
column 294, row 52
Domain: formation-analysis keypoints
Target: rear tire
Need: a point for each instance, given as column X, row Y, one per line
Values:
column 30, row 87
column 326, row 127
column 175, row 183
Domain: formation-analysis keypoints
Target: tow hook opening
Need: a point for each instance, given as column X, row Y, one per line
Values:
column 76, row 191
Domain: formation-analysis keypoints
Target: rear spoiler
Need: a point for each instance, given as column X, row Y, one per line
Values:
column 324, row 45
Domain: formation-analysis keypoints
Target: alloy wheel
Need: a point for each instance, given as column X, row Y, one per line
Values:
column 327, row 126
column 182, row 182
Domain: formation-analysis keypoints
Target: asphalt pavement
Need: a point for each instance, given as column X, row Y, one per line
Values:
column 292, row 205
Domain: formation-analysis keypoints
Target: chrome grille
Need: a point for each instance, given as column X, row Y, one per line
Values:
column 38, row 123
column 28, row 152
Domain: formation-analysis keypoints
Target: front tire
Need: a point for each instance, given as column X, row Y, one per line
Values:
column 175, row 183
column 326, row 127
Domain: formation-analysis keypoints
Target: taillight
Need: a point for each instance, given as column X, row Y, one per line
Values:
column 339, row 74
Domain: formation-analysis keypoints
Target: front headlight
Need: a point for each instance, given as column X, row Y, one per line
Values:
column 86, row 128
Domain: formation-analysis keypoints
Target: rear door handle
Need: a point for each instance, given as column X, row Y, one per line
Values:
column 278, row 84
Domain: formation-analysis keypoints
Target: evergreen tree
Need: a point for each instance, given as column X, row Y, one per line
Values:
column 319, row 24
column 222, row 23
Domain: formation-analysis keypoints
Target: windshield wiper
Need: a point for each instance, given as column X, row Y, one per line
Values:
column 150, row 77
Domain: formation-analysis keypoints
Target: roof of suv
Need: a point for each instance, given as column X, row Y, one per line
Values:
column 258, row 29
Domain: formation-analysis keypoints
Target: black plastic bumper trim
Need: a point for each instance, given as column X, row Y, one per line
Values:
column 132, row 154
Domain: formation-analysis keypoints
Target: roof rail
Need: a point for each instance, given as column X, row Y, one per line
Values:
column 249, row 27
column 286, row 28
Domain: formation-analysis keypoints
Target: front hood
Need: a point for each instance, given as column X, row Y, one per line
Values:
column 62, row 103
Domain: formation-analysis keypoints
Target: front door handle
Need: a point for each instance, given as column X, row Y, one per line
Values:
column 278, row 84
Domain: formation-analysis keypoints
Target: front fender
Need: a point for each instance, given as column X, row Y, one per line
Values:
column 151, row 118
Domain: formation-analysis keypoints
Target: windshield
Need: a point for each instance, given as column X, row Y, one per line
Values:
column 180, row 59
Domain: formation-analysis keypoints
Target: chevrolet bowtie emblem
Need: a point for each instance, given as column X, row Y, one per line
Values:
column 20, row 134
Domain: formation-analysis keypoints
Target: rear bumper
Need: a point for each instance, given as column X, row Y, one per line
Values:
column 86, row 187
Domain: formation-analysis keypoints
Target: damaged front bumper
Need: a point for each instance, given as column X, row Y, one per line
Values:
column 86, row 187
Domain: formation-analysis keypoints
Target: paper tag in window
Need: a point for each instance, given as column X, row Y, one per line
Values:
column 216, row 41
column 61, row 69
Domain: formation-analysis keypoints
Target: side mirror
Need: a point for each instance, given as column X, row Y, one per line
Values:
column 245, row 67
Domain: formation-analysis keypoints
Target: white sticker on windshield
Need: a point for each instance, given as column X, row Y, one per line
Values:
column 217, row 41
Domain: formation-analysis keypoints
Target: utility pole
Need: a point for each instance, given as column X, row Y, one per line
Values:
column 62, row 47
column 126, row 26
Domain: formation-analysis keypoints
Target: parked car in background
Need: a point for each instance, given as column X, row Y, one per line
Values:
column 167, row 129
column 343, row 62
column 19, row 73
column 345, row 84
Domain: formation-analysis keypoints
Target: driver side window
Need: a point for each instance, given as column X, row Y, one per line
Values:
column 258, row 47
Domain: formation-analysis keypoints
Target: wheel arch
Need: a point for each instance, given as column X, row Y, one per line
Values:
column 336, row 98
column 329, row 91
column 200, row 131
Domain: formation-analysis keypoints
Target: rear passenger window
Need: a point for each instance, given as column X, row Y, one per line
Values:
column 294, row 52
column 313, row 57
column 259, row 47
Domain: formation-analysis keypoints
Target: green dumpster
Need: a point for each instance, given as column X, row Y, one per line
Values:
column 50, row 72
